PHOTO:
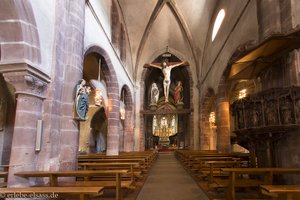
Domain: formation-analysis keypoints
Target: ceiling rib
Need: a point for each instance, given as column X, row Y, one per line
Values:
column 179, row 17
column 185, row 29
column 160, row 4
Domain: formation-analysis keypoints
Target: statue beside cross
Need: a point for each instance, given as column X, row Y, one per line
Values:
column 165, row 66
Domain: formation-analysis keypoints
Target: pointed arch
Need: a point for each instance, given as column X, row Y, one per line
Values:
column 129, row 119
column 182, row 23
column 19, row 31
column 113, row 107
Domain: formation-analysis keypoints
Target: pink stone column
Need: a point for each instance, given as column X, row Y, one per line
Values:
column 223, row 126
column 113, row 128
column 204, row 129
column 129, row 134
column 29, row 102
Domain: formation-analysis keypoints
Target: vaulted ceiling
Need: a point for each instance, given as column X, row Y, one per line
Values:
column 152, row 25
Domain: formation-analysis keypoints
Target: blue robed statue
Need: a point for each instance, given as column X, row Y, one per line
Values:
column 81, row 100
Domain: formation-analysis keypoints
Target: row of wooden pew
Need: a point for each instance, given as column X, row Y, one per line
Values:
column 231, row 171
column 95, row 174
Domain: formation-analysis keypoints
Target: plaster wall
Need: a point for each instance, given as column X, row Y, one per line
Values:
column 44, row 13
column 97, row 35
column 103, row 10
column 198, row 20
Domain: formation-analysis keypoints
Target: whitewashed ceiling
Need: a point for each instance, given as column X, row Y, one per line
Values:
column 182, row 25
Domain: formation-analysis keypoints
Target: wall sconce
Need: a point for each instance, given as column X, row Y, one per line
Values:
column 98, row 97
column 122, row 110
column 242, row 93
column 212, row 119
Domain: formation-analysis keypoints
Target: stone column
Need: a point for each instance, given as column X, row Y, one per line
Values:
column 29, row 101
column 204, row 129
column 223, row 125
column 129, row 134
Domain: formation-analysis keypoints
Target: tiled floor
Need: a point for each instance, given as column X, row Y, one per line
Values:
column 168, row 180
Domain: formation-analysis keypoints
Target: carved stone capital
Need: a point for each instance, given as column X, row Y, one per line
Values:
column 26, row 83
column 27, row 78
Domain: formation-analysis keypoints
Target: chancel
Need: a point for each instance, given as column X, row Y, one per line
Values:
column 125, row 99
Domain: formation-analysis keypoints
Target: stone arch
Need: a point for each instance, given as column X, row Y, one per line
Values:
column 98, row 128
column 128, row 123
column 18, row 31
column 119, row 36
column 113, row 107
column 206, row 107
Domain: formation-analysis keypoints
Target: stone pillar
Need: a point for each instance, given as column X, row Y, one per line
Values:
column 129, row 137
column 223, row 125
column 29, row 102
column 113, row 125
column 72, row 36
column 204, row 129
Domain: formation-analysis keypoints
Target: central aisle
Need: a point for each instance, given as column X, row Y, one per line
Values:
column 168, row 180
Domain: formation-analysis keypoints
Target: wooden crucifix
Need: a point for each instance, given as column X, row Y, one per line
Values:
column 165, row 66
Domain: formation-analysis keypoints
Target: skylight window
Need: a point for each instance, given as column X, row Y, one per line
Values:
column 218, row 23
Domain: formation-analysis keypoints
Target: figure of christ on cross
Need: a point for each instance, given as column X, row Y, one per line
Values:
column 166, row 68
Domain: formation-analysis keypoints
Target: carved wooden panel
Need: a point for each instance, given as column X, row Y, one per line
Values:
column 278, row 107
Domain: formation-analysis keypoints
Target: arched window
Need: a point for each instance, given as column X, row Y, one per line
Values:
column 217, row 24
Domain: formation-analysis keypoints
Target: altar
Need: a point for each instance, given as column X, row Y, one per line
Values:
column 164, row 141
column 166, row 112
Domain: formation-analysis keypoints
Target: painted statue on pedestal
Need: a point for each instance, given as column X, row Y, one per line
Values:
column 81, row 100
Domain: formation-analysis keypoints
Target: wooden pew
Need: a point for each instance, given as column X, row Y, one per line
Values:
column 49, row 192
column 216, row 166
column 143, row 165
column 147, row 157
column 193, row 159
column 201, row 163
column 284, row 192
column 184, row 154
column 87, row 175
column 235, row 181
column 134, row 168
